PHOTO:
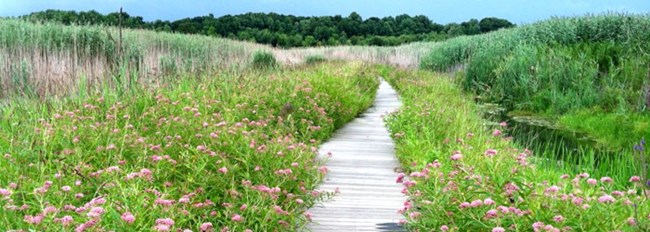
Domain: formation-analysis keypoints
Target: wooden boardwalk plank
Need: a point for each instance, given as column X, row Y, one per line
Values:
column 362, row 168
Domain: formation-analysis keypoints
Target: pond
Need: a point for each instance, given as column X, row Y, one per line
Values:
column 553, row 145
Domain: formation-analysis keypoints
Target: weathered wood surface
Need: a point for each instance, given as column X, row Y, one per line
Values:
column 362, row 167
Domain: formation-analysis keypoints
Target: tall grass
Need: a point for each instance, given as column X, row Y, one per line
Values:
column 405, row 56
column 49, row 59
column 561, row 67
column 556, row 65
column 40, row 60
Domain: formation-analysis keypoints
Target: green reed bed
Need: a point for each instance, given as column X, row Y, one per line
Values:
column 463, row 174
column 219, row 152
column 576, row 72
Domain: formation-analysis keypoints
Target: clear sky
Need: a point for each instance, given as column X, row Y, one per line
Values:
column 440, row 11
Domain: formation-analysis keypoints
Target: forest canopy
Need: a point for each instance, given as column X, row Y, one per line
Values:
column 288, row 30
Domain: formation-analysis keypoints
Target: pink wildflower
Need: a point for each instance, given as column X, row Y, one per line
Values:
column 323, row 170
column 206, row 226
column 606, row 180
column 490, row 152
column 464, row 205
column 400, row 178
column 606, row 199
column 279, row 210
column 410, row 183
column 162, row 227
column 488, row 201
column 558, row 218
column 592, row 181
column 5, row 192
column 435, row 164
column 86, row 225
column 184, row 200
column 223, row 170
column 552, row 189
column 128, row 218
column 577, row 200
column 66, row 188
column 156, row 158
column 631, row 221
column 414, row 215
column 165, row 221
column 635, row 179
column 493, row 213
column 308, row 216
column 444, row 228
column 457, row 156
column 618, row 193
column 66, row 220
column 145, row 173
column 95, row 212
column 34, row 220
column 498, row 229
column 236, row 218
column 163, row 202
column 496, row 132
column 417, row 174
column 476, row 203
column 49, row 209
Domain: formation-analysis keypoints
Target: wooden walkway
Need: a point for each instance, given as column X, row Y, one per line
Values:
column 362, row 167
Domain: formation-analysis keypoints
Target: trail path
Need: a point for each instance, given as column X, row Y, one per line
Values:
column 363, row 169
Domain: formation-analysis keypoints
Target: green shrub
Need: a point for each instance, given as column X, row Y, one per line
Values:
column 314, row 59
column 264, row 60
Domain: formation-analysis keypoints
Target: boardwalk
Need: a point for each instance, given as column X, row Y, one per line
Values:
column 363, row 169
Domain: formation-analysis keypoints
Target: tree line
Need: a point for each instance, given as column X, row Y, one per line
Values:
column 288, row 30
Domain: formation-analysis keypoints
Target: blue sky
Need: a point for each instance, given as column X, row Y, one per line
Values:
column 440, row 11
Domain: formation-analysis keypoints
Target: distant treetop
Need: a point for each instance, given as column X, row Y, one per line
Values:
column 288, row 30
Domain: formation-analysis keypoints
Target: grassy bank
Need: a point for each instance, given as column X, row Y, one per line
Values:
column 214, row 151
column 585, row 68
column 464, row 175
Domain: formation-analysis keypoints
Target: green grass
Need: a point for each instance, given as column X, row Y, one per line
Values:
column 596, row 64
column 613, row 129
column 439, row 120
column 205, row 149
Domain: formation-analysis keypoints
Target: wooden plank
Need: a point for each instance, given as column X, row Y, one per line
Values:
column 362, row 168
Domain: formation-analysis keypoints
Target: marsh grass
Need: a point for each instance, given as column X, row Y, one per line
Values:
column 557, row 65
column 48, row 59
column 404, row 56
column 589, row 74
